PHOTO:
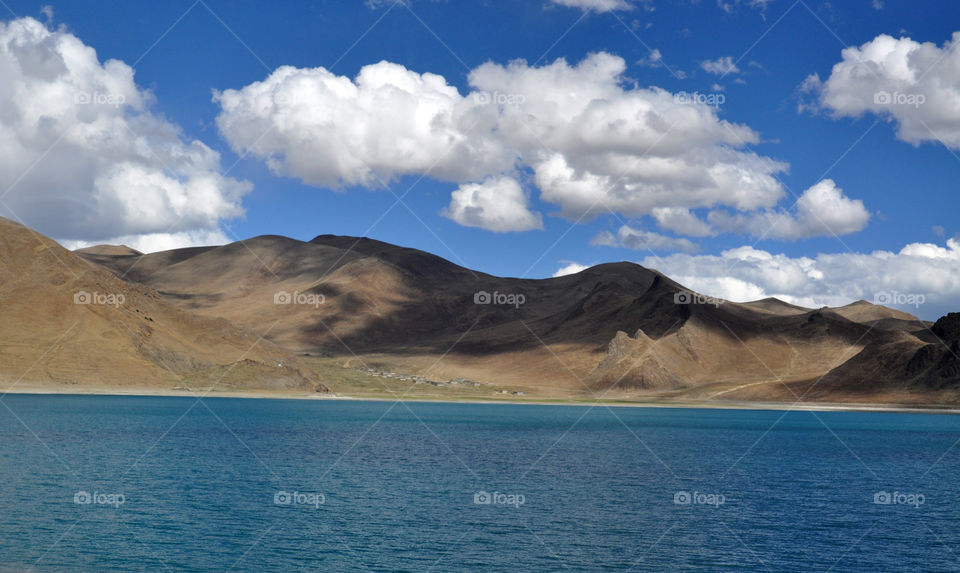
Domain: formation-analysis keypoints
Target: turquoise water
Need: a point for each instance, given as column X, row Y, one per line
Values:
column 283, row 485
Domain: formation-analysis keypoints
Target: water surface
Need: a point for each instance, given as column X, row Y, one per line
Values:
column 286, row 485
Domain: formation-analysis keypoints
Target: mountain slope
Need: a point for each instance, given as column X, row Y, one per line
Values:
column 68, row 322
column 614, row 329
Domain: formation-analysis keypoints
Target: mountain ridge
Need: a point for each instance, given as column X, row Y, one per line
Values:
column 616, row 328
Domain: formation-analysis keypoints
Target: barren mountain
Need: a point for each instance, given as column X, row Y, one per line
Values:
column 614, row 330
column 66, row 322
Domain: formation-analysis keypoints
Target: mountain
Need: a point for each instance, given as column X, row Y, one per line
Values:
column 66, row 323
column 614, row 330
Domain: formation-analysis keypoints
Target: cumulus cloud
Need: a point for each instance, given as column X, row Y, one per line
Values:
column 682, row 221
column 498, row 205
column 595, row 5
column 103, row 165
column 643, row 241
column 891, row 278
column 823, row 210
column 570, row 269
column 332, row 131
column 915, row 85
column 593, row 142
column 721, row 66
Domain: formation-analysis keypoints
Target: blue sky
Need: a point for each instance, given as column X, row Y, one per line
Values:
column 891, row 173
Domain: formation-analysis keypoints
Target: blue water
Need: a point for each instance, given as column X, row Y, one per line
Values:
column 180, row 485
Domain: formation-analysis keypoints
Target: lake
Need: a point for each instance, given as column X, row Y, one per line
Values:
column 95, row 483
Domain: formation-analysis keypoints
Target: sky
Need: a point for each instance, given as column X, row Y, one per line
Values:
column 806, row 150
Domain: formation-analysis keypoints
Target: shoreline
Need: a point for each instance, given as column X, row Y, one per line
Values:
column 334, row 397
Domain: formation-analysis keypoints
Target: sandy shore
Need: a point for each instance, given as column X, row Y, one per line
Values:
column 333, row 396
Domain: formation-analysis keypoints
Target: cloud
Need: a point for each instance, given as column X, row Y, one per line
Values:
column 821, row 211
column 84, row 158
column 596, row 5
column 721, row 66
column 643, row 240
column 729, row 5
column 747, row 273
column 682, row 221
column 653, row 60
column 375, row 4
column 331, row 131
column 570, row 269
column 497, row 204
column 592, row 141
column 154, row 242
column 914, row 85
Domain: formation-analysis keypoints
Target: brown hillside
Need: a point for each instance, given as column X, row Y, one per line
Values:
column 614, row 329
column 65, row 321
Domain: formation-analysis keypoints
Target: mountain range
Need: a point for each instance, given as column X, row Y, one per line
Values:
column 276, row 313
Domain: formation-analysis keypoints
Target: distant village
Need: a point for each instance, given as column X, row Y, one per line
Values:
column 416, row 379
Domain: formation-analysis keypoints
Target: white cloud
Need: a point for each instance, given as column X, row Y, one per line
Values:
column 643, row 241
column 729, row 5
column 682, row 221
column 570, row 269
column 599, row 6
column 153, row 242
column 877, row 4
column 497, row 204
column 375, row 4
column 103, row 165
column 653, row 60
column 835, row 279
column 629, row 150
column 916, row 86
column 811, row 83
column 593, row 142
column 721, row 66
column 595, row 5
column 821, row 211
column 332, row 131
